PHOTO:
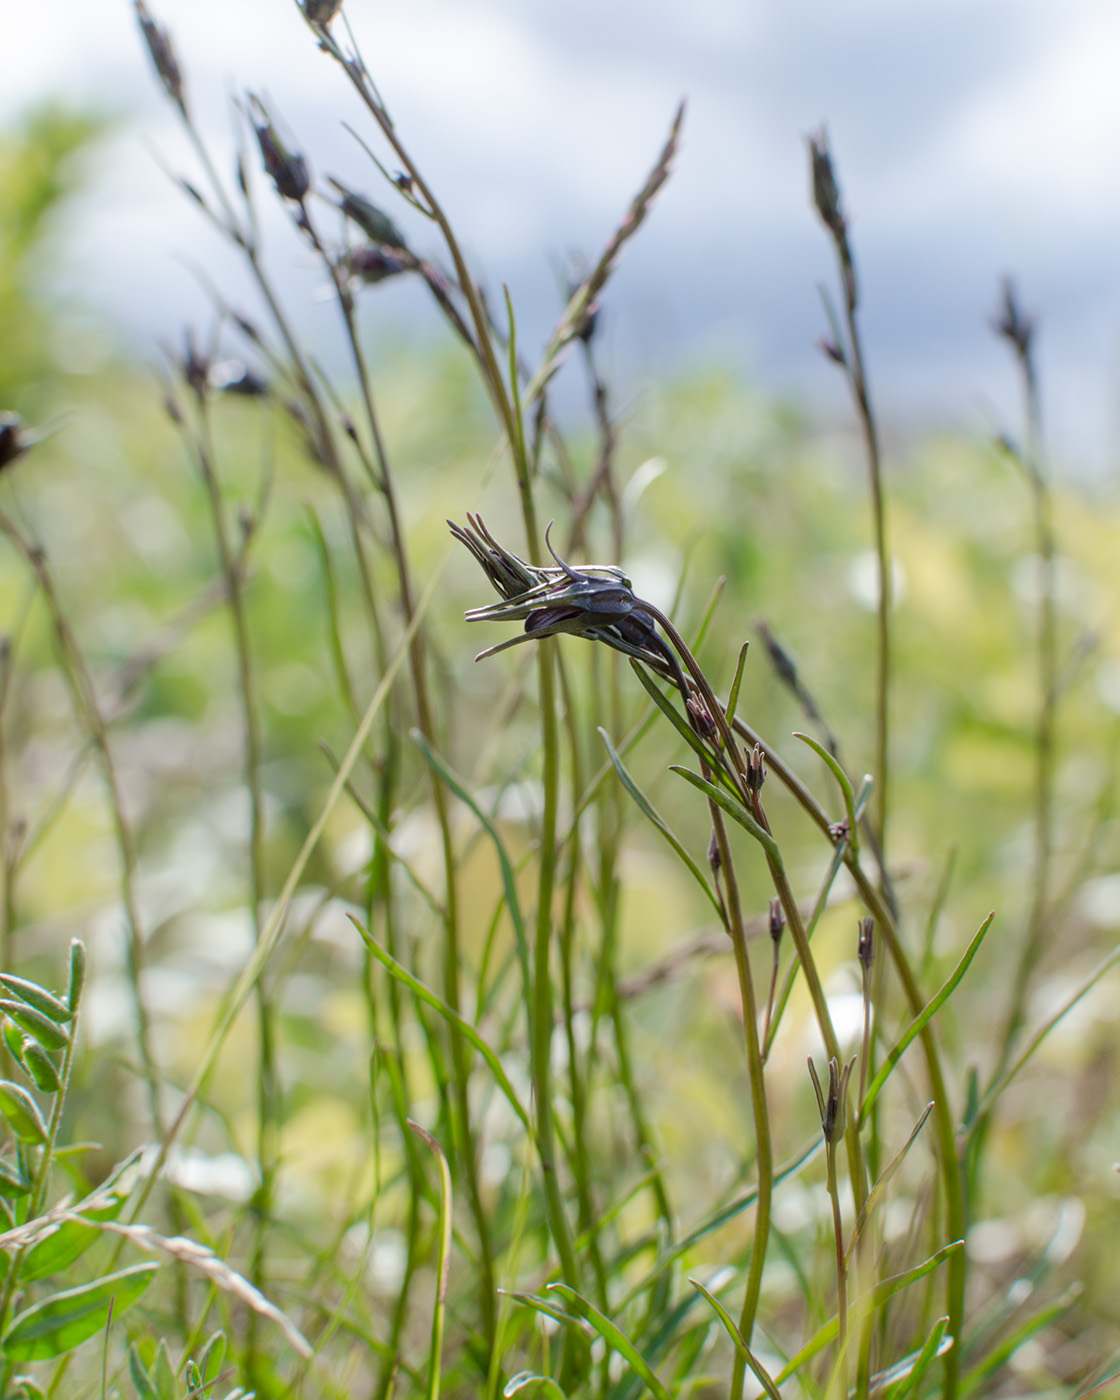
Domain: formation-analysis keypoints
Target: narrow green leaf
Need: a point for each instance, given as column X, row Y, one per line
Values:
column 443, row 1261
column 842, row 779
column 31, row 1020
column 520, row 455
column 905, row 1376
column 542, row 1305
column 738, row 1341
column 22, row 1112
column 40, row 1066
column 1001, row 1354
column 453, row 1018
column 516, row 1384
column 38, row 997
column 13, row 1039
column 58, row 1250
column 211, row 1357
column 166, row 1385
column 652, row 815
column 614, row 1338
column 733, row 694
column 876, row 1192
column 13, row 1181
column 863, row 1306
column 734, row 809
column 27, row 1389
column 675, row 718
column 509, row 882
column 64, row 1320
column 142, row 1381
column 77, row 973
column 923, row 1018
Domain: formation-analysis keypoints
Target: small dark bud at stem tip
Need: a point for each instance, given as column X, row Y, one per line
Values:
column 831, row 349
column 287, row 170
column 321, row 11
column 866, row 945
column 13, row 439
column 777, row 918
column 715, row 860
column 162, row 54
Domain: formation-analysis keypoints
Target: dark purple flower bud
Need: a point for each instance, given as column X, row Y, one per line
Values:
column 831, row 349
column 13, row 438
column 701, row 719
column 833, row 1106
column 372, row 263
column 866, row 947
column 777, row 918
column 288, row 170
column 1012, row 323
column 374, row 222
column 826, row 192
column 232, row 377
column 756, row 769
column 163, row 57
column 321, row 11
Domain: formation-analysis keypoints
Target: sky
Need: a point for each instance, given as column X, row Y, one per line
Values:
column 973, row 139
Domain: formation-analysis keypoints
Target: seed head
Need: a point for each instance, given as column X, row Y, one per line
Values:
column 833, row 1106
column 287, row 169
column 163, row 57
column 374, row 222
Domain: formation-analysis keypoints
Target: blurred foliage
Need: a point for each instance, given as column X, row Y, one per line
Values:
column 40, row 166
column 719, row 483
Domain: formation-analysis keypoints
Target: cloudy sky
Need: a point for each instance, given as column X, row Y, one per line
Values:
column 973, row 138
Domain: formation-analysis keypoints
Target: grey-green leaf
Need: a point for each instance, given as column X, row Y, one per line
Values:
column 64, row 1320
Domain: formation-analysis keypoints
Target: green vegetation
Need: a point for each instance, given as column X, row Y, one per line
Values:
column 433, row 1028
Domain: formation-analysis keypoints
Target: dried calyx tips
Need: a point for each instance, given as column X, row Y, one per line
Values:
column 596, row 601
column 833, row 1105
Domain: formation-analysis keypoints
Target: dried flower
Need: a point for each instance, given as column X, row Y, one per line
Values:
column 163, row 57
column 701, row 720
column 287, row 169
column 372, row 263
column 374, row 222
column 833, row 1106
column 596, row 601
